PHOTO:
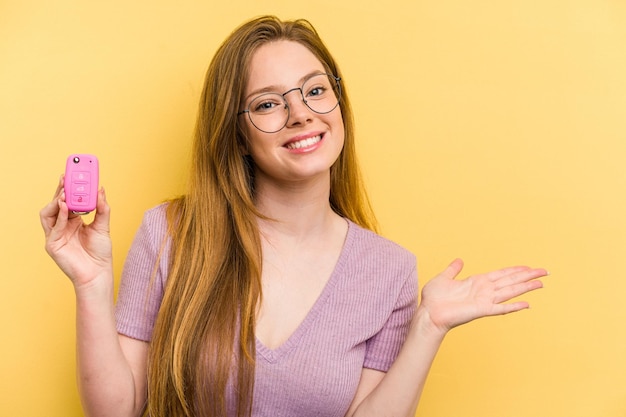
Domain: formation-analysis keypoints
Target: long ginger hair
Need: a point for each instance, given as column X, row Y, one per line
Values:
column 203, row 338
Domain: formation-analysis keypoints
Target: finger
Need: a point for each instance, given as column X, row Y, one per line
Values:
column 102, row 218
column 48, row 215
column 70, row 213
column 56, row 225
column 520, row 277
column 60, row 194
column 511, row 291
column 59, row 189
column 62, row 216
column 452, row 270
column 49, row 211
column 500, row 273
column 501, row 309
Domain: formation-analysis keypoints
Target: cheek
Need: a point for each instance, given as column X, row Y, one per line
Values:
column 251, row 139
column 258, row 145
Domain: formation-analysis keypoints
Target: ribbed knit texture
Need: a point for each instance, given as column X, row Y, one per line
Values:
column 360, row 320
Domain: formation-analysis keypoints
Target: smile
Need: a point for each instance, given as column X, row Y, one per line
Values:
column 304, row 143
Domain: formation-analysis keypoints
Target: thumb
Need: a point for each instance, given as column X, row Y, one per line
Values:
column 101, row 220
column 452, row 270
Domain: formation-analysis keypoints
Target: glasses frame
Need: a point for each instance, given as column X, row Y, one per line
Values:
column 301, row 89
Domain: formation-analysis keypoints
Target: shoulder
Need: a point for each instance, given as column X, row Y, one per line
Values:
column 371, row 257
column 364, row 242
column 153, row 230
column 155, row 219
column 156, row 216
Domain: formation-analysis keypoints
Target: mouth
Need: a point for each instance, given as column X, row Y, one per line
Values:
column 303, row 143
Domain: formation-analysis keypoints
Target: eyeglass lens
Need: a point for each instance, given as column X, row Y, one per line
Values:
column 269, row 112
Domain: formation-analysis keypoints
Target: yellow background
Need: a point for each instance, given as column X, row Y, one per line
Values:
column 494, row 131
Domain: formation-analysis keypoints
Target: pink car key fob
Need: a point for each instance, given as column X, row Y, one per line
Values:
column 81, row 183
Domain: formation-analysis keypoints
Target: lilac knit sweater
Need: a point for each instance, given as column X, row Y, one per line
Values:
column 360, row 320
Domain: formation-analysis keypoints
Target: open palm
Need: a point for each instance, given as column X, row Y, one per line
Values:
column 451, row 302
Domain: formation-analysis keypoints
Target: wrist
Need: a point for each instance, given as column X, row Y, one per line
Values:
column 98, row 287
column 423, row 325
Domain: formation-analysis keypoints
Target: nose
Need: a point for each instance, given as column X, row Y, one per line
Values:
column 299, row 112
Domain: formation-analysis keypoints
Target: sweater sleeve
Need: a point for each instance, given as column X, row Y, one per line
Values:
column 383, row 348
column 145, row 269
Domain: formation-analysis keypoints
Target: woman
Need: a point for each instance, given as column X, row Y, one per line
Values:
column 264, row 290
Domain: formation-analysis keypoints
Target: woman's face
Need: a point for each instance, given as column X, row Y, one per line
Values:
column 310, row 142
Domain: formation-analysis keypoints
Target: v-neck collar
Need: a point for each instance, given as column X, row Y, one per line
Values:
column 274, row 355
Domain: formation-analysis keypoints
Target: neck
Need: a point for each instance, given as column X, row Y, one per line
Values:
column 295, row 209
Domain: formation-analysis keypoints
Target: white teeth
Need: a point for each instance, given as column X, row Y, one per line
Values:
column 304, row 143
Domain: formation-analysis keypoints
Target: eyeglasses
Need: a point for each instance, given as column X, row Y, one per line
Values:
column 269, row 112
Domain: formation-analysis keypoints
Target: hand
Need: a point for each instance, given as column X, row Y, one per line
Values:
column 83, row 252
column 449, row 303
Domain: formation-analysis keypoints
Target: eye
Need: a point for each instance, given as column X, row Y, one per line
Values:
column 316, row 91
column 264, row 106
column 317, row 87
column 267, row 103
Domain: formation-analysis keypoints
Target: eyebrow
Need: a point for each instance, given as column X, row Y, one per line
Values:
column 275, row 88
